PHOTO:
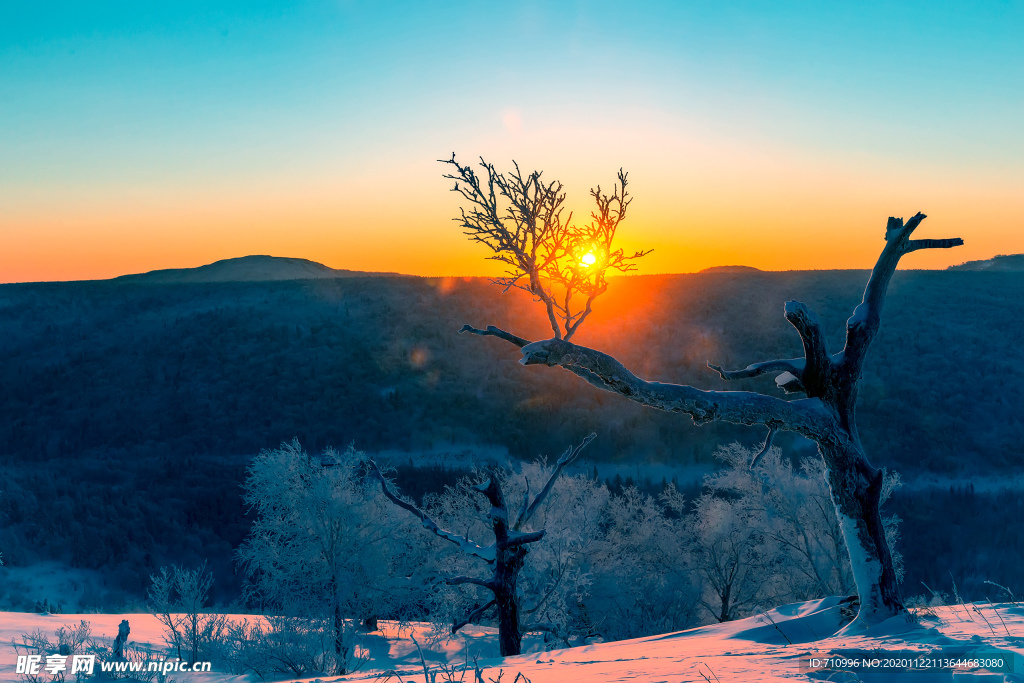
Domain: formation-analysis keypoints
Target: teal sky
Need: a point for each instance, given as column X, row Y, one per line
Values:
column 120, row 114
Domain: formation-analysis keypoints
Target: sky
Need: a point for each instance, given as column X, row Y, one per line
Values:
column 137, row 136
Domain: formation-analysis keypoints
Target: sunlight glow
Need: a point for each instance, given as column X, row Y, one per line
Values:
column 588, row 260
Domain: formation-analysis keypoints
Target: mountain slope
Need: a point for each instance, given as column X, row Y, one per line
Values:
column 1010, row 263
column 245, row 269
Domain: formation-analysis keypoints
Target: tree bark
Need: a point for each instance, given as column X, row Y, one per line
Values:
column 338, row 623
column 856, row 489
column 506, row 595
column 725, row 616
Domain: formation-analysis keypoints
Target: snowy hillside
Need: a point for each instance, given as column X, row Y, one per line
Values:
column 774, row 646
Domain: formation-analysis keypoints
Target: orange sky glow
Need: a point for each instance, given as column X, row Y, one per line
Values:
column 694, row 216
column 778, row 139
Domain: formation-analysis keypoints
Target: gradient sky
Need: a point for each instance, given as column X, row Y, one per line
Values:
column 778, row 135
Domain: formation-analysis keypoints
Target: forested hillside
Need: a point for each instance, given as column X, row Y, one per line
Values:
column 128, row 411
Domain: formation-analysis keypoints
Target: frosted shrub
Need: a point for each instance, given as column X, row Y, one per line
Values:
column 177, row 598
column 644, row 583
column 791, row 509
column 326, row 547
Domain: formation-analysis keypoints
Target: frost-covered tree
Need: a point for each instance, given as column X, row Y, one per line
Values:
column 514, row 532
column 324, row 543
column 790, row 507
column 502, row 214
column 739, row 565
column 557, row 573
column 644, row 579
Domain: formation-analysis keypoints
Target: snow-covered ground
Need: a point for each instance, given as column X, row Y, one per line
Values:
column 768, row 647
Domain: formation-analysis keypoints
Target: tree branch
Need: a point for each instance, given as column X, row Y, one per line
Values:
column 795, row 366
column 808, row 417
column 493, row 331
column 522, row 538
column 567, row 457
column 546, row 627
column 764, row 448
column 525, row 506
column 523, row 221
column 551, row 591
column 817, row 362
column 488, row 554
column 915, row 245
column 808, row 374
column 473, row 616
column 866, row 319
column 460, row 580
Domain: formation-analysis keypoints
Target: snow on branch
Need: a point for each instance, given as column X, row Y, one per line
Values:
column 767, row 446
column 863, row 325
column 807, row 325
column 795, row 366
column 807, row 416
column 790, row 383
column 484, row 553
column 460, row 580
column 473, row 616
column 566, row 458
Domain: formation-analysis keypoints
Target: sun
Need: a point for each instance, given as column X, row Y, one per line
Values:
column 588, row 260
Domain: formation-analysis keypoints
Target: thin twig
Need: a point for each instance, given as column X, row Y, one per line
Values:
column 768, row 616
column 710, row 670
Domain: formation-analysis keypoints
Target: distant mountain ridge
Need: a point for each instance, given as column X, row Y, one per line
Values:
column 257, row 268
column 1002, row 263
column 731, row 269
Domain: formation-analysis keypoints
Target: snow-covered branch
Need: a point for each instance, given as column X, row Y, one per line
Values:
column 516, row 538
column 473, row 616
column 460, row 580
column 807, row 417
column 567, row 457
column 767, row 446
column 866, row 319
column 794, row 366
column 816, row 359
column 484, row 553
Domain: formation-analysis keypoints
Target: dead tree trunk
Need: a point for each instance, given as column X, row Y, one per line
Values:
column 506, row 555
column 826, row 415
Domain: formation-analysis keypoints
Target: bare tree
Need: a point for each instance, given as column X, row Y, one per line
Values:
column 506, row 554
column 520, row 219
column 178, row 597
column 830, row 381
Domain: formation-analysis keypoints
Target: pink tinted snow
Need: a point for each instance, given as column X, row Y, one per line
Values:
column 764, row 647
